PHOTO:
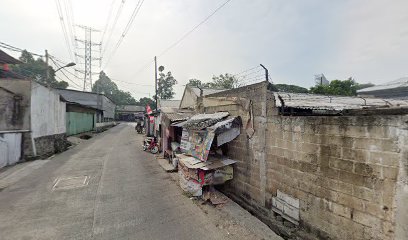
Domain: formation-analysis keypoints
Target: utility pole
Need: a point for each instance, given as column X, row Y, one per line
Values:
column 47, row 71
column 87, row 42
column 266, row 73
column 155, row 78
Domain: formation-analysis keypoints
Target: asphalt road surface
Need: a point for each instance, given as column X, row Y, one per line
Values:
column 104, row 188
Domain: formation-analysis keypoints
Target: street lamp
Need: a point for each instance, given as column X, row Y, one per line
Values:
column 71, row 64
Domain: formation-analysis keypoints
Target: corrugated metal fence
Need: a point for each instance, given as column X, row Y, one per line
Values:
column 79, row 122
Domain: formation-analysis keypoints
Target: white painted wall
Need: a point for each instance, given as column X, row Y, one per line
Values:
column 47, row 111
column 189, row 99
column 10, row 148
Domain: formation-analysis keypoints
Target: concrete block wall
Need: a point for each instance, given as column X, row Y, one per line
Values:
column 248, row 186
column 348, row 173
column 344, row 171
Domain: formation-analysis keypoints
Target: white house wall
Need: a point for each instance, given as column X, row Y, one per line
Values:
column 47, row 112
column 10, row 148
column 189, row 99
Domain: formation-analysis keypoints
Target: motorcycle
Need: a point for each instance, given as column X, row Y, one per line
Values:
column 139, row 129
column 150, row 144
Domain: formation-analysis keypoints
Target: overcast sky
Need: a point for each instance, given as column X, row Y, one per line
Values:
column 294, row 39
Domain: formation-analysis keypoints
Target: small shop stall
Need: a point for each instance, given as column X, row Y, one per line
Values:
column 202, row 163
column 171, row 133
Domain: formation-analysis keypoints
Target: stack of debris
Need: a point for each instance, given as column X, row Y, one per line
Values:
column 202, row 163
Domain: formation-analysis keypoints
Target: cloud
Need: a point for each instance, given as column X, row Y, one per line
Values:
column 295, row 39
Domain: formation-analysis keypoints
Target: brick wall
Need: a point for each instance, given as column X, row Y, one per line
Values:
column 343, row 171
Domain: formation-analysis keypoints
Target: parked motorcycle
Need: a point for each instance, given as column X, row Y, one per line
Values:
column 150, row 144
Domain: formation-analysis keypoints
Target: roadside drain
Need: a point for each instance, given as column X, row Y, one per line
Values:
column 70, row 183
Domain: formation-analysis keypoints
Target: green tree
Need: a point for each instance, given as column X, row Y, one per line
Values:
column 36, row 69
column 194, row 83
column 106, row 86
column 165, row 84
column 147, row 101
column 224, row 81
column 290, row 88
column 337, row 87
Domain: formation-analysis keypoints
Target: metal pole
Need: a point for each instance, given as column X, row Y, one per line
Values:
column 85, row 60
column 266, row 73
column 155, row 78
column 47, row 72
column 90, row 57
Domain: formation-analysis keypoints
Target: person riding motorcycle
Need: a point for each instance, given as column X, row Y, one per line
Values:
column 139, row 127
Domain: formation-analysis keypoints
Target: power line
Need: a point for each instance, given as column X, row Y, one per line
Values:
column 133, row 16
column 193, row 29
column 71, row 25
column 63, row 69
column 28, row 71
column 57, row 59
column 16, row 49
column 114, row 25
column 64, row 30
column 125, row 31
column 137, row 84
column 77, row 88
column 107, row 20
column 145, row 66
column 59, row 66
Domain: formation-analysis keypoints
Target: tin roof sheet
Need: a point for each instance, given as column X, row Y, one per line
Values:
column 401, row 82
column 201, row 121
column 177, row 116
column 336, row 103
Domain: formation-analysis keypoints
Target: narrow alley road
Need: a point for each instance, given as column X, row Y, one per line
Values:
column 126, row 196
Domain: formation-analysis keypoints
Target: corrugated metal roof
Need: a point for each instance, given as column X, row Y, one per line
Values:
column 336, row 103
column 177, row 116
column 201, row 121
column 401, row 82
